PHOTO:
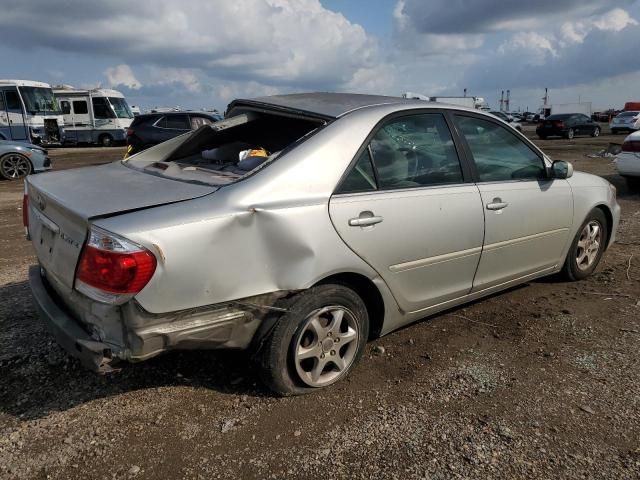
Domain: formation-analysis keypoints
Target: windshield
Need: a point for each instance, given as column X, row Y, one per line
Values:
column 120, row 107
column 628, row 114
column 39, row 100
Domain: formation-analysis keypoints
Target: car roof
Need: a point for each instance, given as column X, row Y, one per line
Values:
column 164, row 114
column 325, row 104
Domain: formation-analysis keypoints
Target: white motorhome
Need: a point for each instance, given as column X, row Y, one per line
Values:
column 29, row 112
column 98, row 116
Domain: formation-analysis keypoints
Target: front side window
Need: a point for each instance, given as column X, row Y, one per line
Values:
column 13, row 101
column 499, row 155
column 101, row 108
column 1, row 101
column 39, row 100
column 120, row 107
column 80, row 107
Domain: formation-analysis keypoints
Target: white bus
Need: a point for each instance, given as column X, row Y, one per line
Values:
column 29, row 113
column 99, row 116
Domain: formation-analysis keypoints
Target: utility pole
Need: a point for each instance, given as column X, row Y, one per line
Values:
column 502, row 101
column 465, row 92
column 507, row 108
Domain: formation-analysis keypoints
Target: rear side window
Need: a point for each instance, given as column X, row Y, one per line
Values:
column 177, row 122
column 361, row 178
column 66, row 107
column 406, row 152
column 80, row 107
column 499, row 155
column 1, row 101
column 197, row 122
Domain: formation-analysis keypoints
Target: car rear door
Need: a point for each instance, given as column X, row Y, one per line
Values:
column 408, row 207
column 171, row 126
column 527, row 214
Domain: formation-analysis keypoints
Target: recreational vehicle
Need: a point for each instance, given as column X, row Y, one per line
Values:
column 94, row 116
column 29, row 113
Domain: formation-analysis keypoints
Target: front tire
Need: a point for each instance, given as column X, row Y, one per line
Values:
column 14, row 166
column 596, row 132
column 571, row 133
column 316, row 343
column 587, row 247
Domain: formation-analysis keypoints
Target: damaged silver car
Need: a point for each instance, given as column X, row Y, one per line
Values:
column 299, row 227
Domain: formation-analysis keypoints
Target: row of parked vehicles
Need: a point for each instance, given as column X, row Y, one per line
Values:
column 37, row 113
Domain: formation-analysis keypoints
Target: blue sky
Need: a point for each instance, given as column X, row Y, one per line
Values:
column 204, row 53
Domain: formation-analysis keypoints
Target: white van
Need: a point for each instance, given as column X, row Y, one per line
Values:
column 99, row 116
column 29, row 112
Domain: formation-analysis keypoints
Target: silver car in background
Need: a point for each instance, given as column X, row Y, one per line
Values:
column 19, row 159
column 300, row 226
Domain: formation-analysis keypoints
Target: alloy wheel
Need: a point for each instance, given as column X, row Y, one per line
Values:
column 326, row 346
column 14, row 166
column 589, row 245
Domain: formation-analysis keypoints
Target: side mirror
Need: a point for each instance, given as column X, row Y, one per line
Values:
column 561, row 169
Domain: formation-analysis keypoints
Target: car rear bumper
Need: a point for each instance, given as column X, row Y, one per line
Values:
column 70, row 335
column 628, row 164
column 146, row 335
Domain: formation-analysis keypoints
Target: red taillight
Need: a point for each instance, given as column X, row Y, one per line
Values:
column 558, row 124
column 631, row 146
column 116, row 272
column 112, row 269
column 25, row 210
column 130, row 132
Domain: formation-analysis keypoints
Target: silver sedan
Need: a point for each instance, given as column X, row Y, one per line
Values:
column 299, row 227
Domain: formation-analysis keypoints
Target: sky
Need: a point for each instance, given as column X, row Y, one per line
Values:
column 205, row 53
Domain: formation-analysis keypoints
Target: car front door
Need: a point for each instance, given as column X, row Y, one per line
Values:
column 527, row 214
column 408, row 207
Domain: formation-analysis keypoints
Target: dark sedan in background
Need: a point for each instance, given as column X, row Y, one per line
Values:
column 152, row 128
column 567, row 125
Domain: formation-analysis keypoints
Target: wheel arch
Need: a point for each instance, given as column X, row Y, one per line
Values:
column 369, row 294
column 609, row 216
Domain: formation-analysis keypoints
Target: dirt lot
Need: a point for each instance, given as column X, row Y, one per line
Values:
column 542, row 381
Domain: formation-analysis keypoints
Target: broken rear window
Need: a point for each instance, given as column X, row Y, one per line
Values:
column 230, row 149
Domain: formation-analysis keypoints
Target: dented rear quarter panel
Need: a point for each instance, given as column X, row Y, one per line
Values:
column 266, row 233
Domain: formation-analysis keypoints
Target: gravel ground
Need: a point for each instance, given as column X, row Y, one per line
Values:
column 541, row 381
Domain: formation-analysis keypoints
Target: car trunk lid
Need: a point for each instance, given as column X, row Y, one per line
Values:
column 61, row 205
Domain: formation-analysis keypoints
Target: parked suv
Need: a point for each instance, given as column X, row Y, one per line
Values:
column 567, row 125
column 152, row 128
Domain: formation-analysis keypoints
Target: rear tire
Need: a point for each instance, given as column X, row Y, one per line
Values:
column 105, row 140
column 316, row 343
column 542, row 137
column 587, row 247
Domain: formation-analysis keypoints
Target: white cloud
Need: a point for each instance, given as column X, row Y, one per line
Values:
column 122, row 75
column 286, row 42
column 612, row 21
